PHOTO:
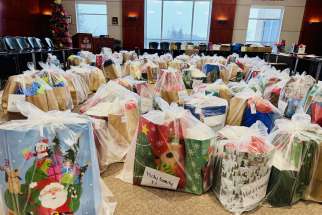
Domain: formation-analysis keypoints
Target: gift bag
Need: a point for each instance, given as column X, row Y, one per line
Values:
column 293, row 95
column 115, row 111
column 110, row 70
column 172, row 151
column 242, row 166
column 296, row 172
column 191, row 76
column 212, row 72
column 313, row 103
column 259, row 109
column 210, row 110
column 52, row 167
column 170, row 86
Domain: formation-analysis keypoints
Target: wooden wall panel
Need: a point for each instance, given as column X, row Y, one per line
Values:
column 24, row 17
column 312, row 27
column 222, row 21
column 133, row 28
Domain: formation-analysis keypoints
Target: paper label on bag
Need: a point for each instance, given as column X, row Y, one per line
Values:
column 12, row 102
column 155, row 178
column 252, row 108
column 124, row 119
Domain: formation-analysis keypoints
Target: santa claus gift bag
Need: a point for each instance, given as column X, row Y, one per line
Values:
column 297, row 163
column 49, row 165
column 172, row 151
column 242, row 166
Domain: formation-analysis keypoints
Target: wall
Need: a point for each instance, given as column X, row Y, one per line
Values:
column 114, row 8
column 24, row 17
column 222, row 21
column 292, row 21
column 312, row 27
column 133, row 28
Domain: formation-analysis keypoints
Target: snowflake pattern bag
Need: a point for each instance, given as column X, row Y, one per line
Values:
column 49, row 165
column 242, row 166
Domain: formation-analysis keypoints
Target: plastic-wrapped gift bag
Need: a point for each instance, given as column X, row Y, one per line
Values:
column 259, row 109
column 297, row 162
column 170, row 85
column 77, row 87
column 111, row 70
column 210, row 110
column 93, row 75
column 313, row 103
column 172, row 151
column 237, row 106
column 115, row 111
column 212, row 72
column 132, row 68
column 242, row 166
column 150, row 71
column 293, row 95
column 52, row 167
column 192, row 75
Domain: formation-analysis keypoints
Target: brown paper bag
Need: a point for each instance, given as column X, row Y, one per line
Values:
column 96, row 79
column 132, row 117
column 150, row 75
column 225, row 93
column 110, row 72
column 116, row 122
column 224, row 75
column 60, row 94
column 39, row 101
column 170, row 96
column 51, row 100
column 236, row 111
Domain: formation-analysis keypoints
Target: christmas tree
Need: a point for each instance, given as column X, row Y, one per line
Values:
column 59, row 26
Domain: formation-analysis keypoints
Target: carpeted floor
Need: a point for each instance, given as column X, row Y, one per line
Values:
column 137, row 200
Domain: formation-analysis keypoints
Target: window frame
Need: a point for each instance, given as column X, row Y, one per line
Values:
column 192, row 22
column 281, row 19
column 102, row 2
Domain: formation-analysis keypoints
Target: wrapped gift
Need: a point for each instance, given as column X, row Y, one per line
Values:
column 210, row 110
column 212, row 72
column 115, row 111
column 297, row 163
column 192, row 75
column 110, row 70
column 172, row 151
column 150, row 71
column 77, row 87
column 293, row 95
column 170, row 85
column 259, row 109
column 132, row 68
column 52, row 168
column 313, row 103
column 242, row 166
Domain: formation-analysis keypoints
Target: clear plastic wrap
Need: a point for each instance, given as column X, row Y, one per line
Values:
column 293, row 95
column 297, row 162
column 129, row 56
column 210, row 110
column 218, row 89
column 242, row 166
column 150, row 71
column 192, row 75
column 212, row 71
column 111, row 70
column 88, row 57
column 170, row 86
column 237, row 106
column 115, row 112
column 259, row 109
column 52, row 167
column 313, row 103
column 172, row 151
column 132, row 68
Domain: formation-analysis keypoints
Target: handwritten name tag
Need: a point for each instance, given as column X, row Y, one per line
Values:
column 155, row 178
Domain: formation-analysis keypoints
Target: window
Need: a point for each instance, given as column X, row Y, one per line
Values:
column 177, row 21
column 92, row 17
column 264, row 25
